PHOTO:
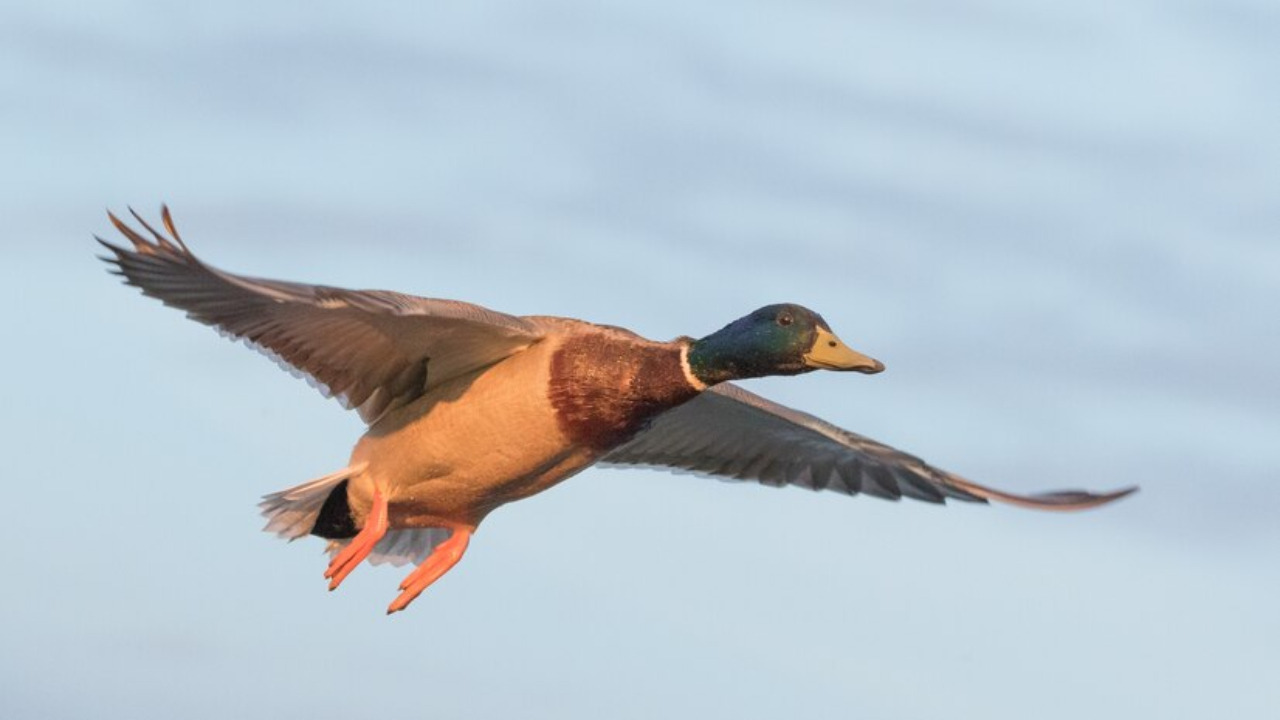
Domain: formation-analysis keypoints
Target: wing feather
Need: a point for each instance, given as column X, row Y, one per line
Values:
column 372, row 349
column 733, row 433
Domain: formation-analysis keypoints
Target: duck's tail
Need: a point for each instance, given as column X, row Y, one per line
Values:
column 319, row 507
column 293, row 513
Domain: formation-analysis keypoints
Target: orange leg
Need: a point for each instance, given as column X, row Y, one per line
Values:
column 444, row 556
column 375, row 526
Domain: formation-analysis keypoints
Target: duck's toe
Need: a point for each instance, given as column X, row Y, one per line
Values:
column 442, row 558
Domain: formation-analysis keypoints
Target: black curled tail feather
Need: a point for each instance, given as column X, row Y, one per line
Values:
column 335, row 521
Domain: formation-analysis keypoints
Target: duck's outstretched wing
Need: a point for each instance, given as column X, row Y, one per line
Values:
column 731, row 433
column 374, row 350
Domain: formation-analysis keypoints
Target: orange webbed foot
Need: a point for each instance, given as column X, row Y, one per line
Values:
column 442, row 558
column 375, row 526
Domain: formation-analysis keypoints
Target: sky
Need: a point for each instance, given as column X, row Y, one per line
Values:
column 1055, row 223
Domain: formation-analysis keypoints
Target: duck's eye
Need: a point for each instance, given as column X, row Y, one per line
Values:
column 785, row 320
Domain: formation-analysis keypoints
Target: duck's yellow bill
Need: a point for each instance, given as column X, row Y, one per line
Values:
column 829, row 353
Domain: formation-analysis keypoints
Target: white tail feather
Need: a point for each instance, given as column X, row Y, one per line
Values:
column 292, row 513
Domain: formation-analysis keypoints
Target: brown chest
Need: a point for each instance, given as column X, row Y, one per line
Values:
column 605, row 388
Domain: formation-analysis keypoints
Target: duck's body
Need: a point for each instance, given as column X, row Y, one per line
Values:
column 469, row 409
column 516, row 428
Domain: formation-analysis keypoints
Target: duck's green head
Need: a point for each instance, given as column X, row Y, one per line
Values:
column 781, row 339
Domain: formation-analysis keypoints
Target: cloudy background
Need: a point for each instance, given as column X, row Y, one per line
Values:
column 1056, row 223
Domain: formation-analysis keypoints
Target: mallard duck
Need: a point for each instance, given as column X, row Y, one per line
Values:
column 469, row 409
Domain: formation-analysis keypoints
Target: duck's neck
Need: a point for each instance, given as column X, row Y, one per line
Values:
column 690, row 376
column 719, row 358
column 707, row 362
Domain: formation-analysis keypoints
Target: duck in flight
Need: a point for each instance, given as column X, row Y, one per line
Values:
column 469, row 409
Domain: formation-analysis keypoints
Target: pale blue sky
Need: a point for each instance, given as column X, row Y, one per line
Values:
column 1056, row 223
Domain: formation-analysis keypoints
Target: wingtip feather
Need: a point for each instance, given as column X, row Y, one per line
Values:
column 161, row 240
column 167, row 219
column 1058, row 500
column 140, row 243
column 115, row 249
